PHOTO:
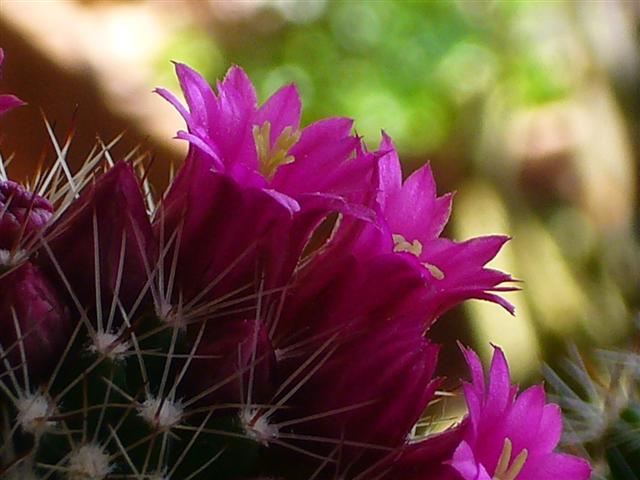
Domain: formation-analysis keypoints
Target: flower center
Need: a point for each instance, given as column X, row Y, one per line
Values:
column 435, row 271
column 506, row 469
column 272, row 157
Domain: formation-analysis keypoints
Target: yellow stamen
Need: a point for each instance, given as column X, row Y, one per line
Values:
column 505, row 458
column 271, row 158
column 402, row 245
column 503, row 470
column 435, row 271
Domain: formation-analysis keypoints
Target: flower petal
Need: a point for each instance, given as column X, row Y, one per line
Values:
column 416, row 211
column 281, row 110
column 9, row 102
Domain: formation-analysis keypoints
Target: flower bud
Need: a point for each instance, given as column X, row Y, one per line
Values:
column 111, row 239
column 225, row 233
column 22, row 213
column 33, row 321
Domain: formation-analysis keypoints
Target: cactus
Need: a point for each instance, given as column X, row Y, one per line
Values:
column 600, row 396
column 266, row 318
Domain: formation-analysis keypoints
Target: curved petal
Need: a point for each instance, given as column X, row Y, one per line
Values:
column 416, row 211
column 199, row 95
column 281, row 110
column 9, row 102
column 555, row 466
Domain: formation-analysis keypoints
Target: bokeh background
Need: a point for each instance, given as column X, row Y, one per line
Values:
column 530, row 110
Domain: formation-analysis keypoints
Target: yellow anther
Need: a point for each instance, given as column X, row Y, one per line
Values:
column 435, row 271
column 415, row 248
column 506, row 469
column 517, row 465
column 505, row 458
column 402, row 245
column 271, row 158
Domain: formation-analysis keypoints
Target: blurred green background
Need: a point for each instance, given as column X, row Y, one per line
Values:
column 530, row 110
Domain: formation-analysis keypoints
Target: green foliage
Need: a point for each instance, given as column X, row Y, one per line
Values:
column 376, row 61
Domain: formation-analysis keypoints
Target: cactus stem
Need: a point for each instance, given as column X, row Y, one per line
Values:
column 23, row 472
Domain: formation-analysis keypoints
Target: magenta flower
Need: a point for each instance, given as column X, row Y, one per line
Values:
column 268, row 320
column 256, row 161
column 114, row 248
column 22, row 215
column 413, row 219
column 263, row 146
column 416, row 217
column 34, row 321
column 511, row 436
column 8, row 102
column 349, row 338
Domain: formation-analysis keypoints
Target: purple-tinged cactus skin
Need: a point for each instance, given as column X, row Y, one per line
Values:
column 267, row 318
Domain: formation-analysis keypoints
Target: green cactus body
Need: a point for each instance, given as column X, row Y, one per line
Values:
column 111, row 411
column 623, row 444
